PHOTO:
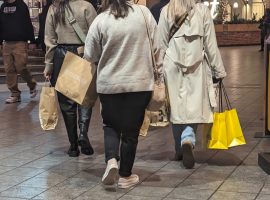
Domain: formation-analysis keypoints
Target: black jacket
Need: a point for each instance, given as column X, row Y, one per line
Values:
column 15, row 22
column 156, row 9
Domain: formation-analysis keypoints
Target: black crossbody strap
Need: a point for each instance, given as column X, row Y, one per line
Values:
column 178, row 23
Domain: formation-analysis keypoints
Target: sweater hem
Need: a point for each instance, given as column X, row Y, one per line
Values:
column 124, row 88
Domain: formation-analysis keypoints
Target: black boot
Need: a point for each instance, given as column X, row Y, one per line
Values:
column 86, row 147
column 73, row 150
column 178, row 154
column 84, row 120
column 69, row 111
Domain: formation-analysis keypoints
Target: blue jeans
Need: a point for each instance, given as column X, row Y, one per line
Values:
column 183, row 133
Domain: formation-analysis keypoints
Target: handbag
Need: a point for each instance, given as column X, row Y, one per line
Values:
column 218, row 134
column 48, row 113
column 77, row 80
column 226, row 130
column 235, row 135
column 159, row 93
column 77, row 77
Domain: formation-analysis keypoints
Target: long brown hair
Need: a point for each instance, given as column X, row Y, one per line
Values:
column 118, row 8
column 59, row 6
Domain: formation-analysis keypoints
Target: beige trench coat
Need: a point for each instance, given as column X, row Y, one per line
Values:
column 191, row 59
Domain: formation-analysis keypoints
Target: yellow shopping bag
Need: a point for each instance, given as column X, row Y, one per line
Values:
column 218, row 133
column 234, row 132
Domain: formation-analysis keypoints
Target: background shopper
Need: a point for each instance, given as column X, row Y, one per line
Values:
column 42, row 20
column 156, row 9
column 191, row 60
column 117, row 40
column 16, row 31
column 59, row 38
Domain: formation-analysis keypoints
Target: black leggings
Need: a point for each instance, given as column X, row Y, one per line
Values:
column 123, row 116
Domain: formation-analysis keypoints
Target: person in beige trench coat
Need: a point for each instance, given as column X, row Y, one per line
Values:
column 191, row 62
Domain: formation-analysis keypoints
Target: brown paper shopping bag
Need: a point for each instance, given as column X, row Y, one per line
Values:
column 77, row 80
column 48, row 113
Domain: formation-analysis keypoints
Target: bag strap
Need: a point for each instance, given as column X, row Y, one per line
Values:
column 74, row 24
column 178, row 23
column 151, row 45
column 222, row 91
column 229, row 106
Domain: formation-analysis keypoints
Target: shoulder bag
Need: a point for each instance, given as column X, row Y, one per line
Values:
column 159, row 93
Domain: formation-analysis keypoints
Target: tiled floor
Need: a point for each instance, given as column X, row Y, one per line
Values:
column 34, row 165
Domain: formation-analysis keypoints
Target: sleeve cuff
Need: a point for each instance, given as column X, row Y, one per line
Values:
column 220, row 74
column 48, row 67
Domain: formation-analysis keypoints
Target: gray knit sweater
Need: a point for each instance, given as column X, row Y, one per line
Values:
column 122, row 50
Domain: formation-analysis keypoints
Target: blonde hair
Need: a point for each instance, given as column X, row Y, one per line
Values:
column 177, row 8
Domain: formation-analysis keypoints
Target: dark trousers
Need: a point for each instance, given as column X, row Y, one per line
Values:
column 123, row 116
column 71, row 111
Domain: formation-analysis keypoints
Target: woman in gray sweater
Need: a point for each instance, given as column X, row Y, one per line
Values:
column 117, row 40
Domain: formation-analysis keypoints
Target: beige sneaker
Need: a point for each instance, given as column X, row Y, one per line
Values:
column 110, row 172
column 12, row 99
column 127, row 182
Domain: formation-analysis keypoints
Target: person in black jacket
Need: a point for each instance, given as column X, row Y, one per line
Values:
column 16, row 30
column 42, row 19
column 156, row 9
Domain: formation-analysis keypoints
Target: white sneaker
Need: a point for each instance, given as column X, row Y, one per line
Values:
column 12, row 99
column 110, row 172
column 33, row 92
column 127, row 182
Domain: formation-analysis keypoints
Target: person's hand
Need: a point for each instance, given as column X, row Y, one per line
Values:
column 216, row 80
column 1, row 48
column 32, row 46
column 47, row 75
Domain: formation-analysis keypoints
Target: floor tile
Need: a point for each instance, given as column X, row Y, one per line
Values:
column 130, row 197
column 266, row 189
column 241, row 186
column 147, row 191
column 200, row 184
column 263, row 197
column 248, row 173
column 42, row 182
column 190, row 194
column 22, row 192
column 25, row 172
column 99, row 192
column 220, row 195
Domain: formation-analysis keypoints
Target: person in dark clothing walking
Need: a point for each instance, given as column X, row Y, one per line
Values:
column 156, row 9
column 16, row 30
column 42, row 19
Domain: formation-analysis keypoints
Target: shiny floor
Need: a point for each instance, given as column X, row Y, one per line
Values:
column 34, row 164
